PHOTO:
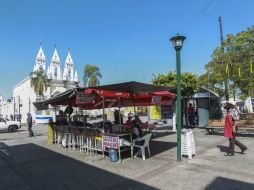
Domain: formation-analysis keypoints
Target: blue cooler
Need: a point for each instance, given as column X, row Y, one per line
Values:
column 113, row 155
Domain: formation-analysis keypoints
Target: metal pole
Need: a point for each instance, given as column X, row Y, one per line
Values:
column 119, row 113
column 29, row 105
column 14, row 107
column 19, row 108
column 179, row 119
column 103, row 113
column 55, row 113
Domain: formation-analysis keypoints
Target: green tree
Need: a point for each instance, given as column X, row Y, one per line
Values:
column 39, row 82
column 231, row 69
column 91, row 76
column 189, row 82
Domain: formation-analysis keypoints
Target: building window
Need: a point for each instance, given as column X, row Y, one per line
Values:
column 55, row 73
column 69, row 74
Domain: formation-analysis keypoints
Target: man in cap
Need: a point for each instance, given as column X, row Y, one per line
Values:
column 231, row 122
column 29, row 122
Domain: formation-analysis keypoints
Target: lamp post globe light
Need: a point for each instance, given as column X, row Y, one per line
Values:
column 177, row 42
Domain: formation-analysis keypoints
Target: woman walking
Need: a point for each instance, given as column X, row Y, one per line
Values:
column 230, row 129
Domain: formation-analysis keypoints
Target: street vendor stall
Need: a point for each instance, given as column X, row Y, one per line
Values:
column 79, row 133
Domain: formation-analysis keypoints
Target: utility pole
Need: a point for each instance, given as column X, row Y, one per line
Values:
column 221, row 34
column 222, row 49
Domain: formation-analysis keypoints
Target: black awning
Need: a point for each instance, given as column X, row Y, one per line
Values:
column 68, row 94
column 40, row 105
column 60, row 98
column 134, row 87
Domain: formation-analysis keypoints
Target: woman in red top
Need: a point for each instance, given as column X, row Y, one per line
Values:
column 229, row 132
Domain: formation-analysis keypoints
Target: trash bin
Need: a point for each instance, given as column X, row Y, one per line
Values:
column 113, row 155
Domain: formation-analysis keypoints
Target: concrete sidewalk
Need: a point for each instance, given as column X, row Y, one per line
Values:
column 32, row 164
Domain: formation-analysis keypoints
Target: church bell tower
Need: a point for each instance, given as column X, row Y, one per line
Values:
column 55, row 67
column 40, row 61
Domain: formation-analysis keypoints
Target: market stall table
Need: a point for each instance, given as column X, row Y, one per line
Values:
column 116, row 141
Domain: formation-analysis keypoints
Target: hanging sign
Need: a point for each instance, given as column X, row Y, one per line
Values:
column 110, row 142
column 155, row 112
column 84, row 98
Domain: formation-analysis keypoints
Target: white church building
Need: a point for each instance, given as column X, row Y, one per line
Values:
column 58, row 81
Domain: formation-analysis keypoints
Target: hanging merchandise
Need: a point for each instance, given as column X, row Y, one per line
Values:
column 227, row 67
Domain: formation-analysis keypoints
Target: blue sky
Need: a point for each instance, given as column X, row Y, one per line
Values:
column 127, row 39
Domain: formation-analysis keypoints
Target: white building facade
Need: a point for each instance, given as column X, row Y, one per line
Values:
column 6, row 108
column 58, row 81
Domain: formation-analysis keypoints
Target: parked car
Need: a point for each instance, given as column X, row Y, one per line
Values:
column 10, row 126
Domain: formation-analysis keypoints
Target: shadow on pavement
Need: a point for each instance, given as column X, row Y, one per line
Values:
column 225, row 183
column 160, row 134
column 223, row 148
column 158, row 147
column 29, row 166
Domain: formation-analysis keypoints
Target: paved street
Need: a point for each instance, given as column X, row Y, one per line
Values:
column 30, row 163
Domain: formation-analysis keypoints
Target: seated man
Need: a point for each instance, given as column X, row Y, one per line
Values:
column 137, row 134
column 136, row 130
column 137, row 119
column 142, row 126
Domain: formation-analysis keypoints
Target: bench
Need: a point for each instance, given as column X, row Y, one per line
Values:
column 211, row 130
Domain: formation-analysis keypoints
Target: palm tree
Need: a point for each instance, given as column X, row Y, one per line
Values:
column 39, row 82
column 91, row 75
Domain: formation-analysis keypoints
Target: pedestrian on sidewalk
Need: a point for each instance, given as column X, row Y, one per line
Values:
column 191, row 115
column 29, row 122
column 231, row 123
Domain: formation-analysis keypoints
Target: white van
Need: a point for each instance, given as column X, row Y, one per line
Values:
column 10, row 126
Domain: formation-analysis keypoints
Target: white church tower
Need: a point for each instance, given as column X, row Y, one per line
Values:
column 54, row 70
column 40, row 61
column 76, row 77
column 68, row 74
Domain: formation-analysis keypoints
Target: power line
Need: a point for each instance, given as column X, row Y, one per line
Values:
column 201, row 11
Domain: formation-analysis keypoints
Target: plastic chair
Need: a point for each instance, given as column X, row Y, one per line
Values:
column 146, row 138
